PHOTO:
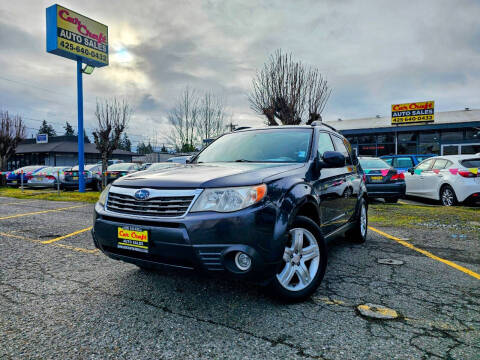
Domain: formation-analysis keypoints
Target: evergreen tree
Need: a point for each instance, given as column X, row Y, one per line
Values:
column 47, row 129
column 125, row 143
column 141, row 148
column 149, row 149
column 69, row 129
column 163, row 149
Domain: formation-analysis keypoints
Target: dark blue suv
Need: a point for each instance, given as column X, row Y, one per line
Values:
column 258, row 204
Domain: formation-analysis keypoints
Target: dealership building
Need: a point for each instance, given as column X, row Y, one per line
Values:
column 450, row 133
column 58, row 151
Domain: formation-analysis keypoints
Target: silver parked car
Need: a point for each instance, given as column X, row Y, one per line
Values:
column 46, row 177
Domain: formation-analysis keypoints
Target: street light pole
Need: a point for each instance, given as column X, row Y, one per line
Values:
column 81, row 178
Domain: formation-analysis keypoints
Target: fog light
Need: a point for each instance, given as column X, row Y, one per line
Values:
column 243, row 261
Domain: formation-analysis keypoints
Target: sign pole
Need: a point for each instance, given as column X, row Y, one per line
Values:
column 81, row 178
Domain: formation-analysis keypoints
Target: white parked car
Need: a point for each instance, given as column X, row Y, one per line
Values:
column 451, row 179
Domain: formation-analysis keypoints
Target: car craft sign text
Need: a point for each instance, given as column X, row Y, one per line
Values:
column 410, row 113
column 75, row 36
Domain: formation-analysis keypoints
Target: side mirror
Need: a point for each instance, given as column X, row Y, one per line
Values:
column 333, row 159
column 411, row 170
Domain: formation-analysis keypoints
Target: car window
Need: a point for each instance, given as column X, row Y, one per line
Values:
column 471, row 163
column 373, row 163
column 403, row 162
column 425, row 165
column 389, row 161
column 440, row 164
column 324, row 143
column 341, row 147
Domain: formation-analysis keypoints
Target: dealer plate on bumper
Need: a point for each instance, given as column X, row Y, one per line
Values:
column 132, row 238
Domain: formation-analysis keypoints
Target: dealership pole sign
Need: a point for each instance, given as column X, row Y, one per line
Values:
column 77, row 37
column 413, row 113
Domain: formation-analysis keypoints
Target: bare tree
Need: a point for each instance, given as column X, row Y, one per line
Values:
column 183, row 118
column 112, row 119
column 195, row 117
column 284, row 90
column 212, row 116
column 12, row 131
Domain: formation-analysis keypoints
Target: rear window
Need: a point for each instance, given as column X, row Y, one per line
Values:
column 471, row 163
column 389, row 161
column 373, row 164
column 403, row 162
column 121, row 167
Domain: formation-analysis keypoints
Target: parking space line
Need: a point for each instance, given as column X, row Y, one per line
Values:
column 66, row 236
column 42, row 212
column 64, row 246
column 427, row 253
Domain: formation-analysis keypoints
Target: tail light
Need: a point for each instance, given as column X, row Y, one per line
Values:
column 29, row 177
column 467, row 174
column 398, row 177
column 364, row 177
column 50, row 177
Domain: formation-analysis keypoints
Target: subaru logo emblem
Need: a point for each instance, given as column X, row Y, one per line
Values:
column 142, row 194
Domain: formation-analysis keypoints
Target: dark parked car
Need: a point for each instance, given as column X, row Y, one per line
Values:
column 258, row 204
column 382, row 180
column 405, row 162
column 120, row 169
column 92, row 175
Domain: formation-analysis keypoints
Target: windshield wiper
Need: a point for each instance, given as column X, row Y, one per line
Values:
column 243, row 160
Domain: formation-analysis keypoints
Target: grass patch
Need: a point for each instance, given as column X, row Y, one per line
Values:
column 460, row 218
column 48, row 194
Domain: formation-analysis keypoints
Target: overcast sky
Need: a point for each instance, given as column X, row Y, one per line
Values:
column 373, row 54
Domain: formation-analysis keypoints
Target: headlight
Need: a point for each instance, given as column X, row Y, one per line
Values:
column 229, row 199
column 103, row 195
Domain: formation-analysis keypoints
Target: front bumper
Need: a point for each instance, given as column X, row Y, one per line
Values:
column 390, row 190
column 206, row 241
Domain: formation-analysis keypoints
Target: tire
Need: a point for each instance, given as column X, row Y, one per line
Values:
column 358, row 234
column 301, row 277
column 447, row 196
column 391, row 200
column 98, row 186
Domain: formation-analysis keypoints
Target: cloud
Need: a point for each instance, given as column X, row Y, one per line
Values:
column 373, row 54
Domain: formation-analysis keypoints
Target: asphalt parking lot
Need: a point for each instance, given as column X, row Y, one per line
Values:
column 61, row 299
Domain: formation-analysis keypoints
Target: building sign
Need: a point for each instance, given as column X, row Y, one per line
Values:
column 412, row 113
column 42, row 139
column 75, row 36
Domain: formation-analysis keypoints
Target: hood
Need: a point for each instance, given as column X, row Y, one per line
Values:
column 206, row 175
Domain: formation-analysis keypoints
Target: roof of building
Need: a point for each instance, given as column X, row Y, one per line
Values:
column 446, row 117
column 63, row 147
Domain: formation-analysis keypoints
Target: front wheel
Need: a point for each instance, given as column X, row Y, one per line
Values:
column 447, row 196
column 303, row 263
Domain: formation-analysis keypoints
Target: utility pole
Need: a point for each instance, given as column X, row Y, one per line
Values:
column 232, row 126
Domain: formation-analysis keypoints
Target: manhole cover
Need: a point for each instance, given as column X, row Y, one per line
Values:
column 377, row 311
column 390, row 262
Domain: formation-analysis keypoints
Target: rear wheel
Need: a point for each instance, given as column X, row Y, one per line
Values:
column 447, row 196
column 359, row 232
column 304, row 261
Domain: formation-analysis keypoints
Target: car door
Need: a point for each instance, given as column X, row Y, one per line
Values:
column 434, row 178
column 329, row 188
column 415, row 184
column 351, row 178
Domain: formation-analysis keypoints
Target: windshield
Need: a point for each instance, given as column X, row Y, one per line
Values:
column 86, row 167
column 121, row 166
column 374, row 164
column 279, row 145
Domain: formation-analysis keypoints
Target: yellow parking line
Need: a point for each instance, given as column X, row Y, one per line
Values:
column 427, row 253
column 41, row 212
column 74, row 248
column 403, row 203
column 66, row 236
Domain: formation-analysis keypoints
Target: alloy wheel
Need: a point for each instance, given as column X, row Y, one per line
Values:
column 301, row 260
column 447, row 197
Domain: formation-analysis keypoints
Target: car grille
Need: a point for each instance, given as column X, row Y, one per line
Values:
column 167, row 206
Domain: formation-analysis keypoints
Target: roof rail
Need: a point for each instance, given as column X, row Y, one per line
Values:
column 320, row 123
